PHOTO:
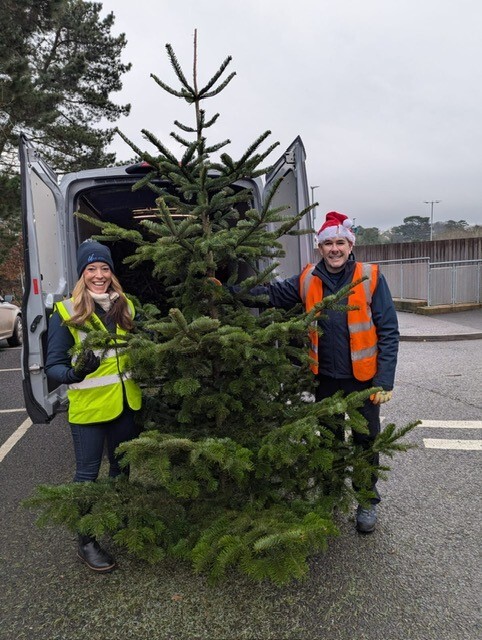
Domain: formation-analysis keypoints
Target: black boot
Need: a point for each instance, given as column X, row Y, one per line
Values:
column 90, row 552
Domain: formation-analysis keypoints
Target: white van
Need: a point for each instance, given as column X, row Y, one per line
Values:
column 52, row 234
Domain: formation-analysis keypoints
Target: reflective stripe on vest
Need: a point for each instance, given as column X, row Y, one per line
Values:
column 91, row 383
column 363, row 335
column 100, row 396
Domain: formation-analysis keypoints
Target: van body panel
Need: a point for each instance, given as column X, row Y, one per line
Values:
column 292, row 192
column 45, row 276
column 52, row 233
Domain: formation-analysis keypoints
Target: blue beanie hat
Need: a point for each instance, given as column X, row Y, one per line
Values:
column 92, row 251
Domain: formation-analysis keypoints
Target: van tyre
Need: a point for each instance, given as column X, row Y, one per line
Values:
column 16, row 339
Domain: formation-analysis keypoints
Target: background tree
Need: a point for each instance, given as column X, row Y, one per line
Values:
column 451, row 229
column 368, row 235
column 236, row 467
column 10, row 225
column 413, row 229
column 475, row 230
column 11, row 273
column 59, row 64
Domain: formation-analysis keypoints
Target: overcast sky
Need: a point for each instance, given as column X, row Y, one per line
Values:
column 385, row 94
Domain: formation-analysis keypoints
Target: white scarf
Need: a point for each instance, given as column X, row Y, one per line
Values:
column 104, row 300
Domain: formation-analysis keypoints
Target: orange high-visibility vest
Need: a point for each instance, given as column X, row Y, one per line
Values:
column 363, row 335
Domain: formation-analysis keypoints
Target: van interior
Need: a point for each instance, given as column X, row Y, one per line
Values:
column 116, row 202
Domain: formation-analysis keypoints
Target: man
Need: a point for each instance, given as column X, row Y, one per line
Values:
column 358, row 349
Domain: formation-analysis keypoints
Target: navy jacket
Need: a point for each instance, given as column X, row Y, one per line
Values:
column 334, row 345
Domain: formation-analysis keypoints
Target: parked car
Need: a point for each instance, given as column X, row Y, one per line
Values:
column 10, row 322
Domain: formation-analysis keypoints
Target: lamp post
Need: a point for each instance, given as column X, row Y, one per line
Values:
column 313, row 215
column 431, row 203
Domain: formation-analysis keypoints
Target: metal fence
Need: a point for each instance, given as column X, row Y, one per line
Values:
column 436, row 283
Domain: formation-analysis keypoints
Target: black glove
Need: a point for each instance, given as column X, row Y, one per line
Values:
column 87, row 363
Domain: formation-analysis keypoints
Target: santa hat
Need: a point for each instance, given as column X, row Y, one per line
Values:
column 336, row 225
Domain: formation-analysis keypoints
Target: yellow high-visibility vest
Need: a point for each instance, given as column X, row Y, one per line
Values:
column 100, row 396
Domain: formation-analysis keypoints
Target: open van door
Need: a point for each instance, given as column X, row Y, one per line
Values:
column 43, row 220
column 292, row 193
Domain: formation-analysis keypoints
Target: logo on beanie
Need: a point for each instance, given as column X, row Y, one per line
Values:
column 94, row 258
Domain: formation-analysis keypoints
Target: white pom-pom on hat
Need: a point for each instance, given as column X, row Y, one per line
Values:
column 336, row 225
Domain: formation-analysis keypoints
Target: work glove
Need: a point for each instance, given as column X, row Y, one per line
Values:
column 87, row 363
column 380, row 397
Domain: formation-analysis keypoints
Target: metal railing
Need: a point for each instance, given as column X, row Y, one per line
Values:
column 437, row 283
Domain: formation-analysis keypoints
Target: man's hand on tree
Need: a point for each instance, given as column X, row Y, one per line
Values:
column 380, row 397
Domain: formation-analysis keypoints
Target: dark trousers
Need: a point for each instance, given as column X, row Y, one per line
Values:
column 327, row 387
column 89, row 441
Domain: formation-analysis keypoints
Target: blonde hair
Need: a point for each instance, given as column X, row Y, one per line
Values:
column 84, row 305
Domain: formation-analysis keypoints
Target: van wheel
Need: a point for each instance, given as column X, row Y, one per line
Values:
column 16, row 339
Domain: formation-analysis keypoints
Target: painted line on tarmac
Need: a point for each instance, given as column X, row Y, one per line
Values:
column 460, row 445
column 13, row 410
column 14, row 438
column 5, row 370
column 451, row 424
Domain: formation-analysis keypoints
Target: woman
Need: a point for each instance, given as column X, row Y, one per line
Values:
column 102, row 397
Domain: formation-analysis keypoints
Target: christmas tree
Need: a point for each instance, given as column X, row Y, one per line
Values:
column 236, row 466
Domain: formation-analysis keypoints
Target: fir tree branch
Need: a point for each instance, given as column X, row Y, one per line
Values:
column 177, row 68
column 252, row 148
column 220, row 88
column 166, row 87
column 216, row 76
column 184, row 127
column 131, row 144
column 168, row 219
column 210, row 123
column 189, row 154
column 112, row 231
column 146, row 181
column 291, row 222
column 157, row 143
column 183, row 141
column 258, row 159
column 228, row 162
column 217, row 146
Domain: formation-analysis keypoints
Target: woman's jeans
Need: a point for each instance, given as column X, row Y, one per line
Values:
column 89, row 441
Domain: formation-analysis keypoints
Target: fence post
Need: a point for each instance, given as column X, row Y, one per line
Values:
column 479, row 269
column 429, row 292
column 454, row 284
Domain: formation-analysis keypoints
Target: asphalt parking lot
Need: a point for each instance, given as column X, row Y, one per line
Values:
column 416, row 578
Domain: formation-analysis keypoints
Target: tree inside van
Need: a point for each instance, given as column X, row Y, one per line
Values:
column 236, row 465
